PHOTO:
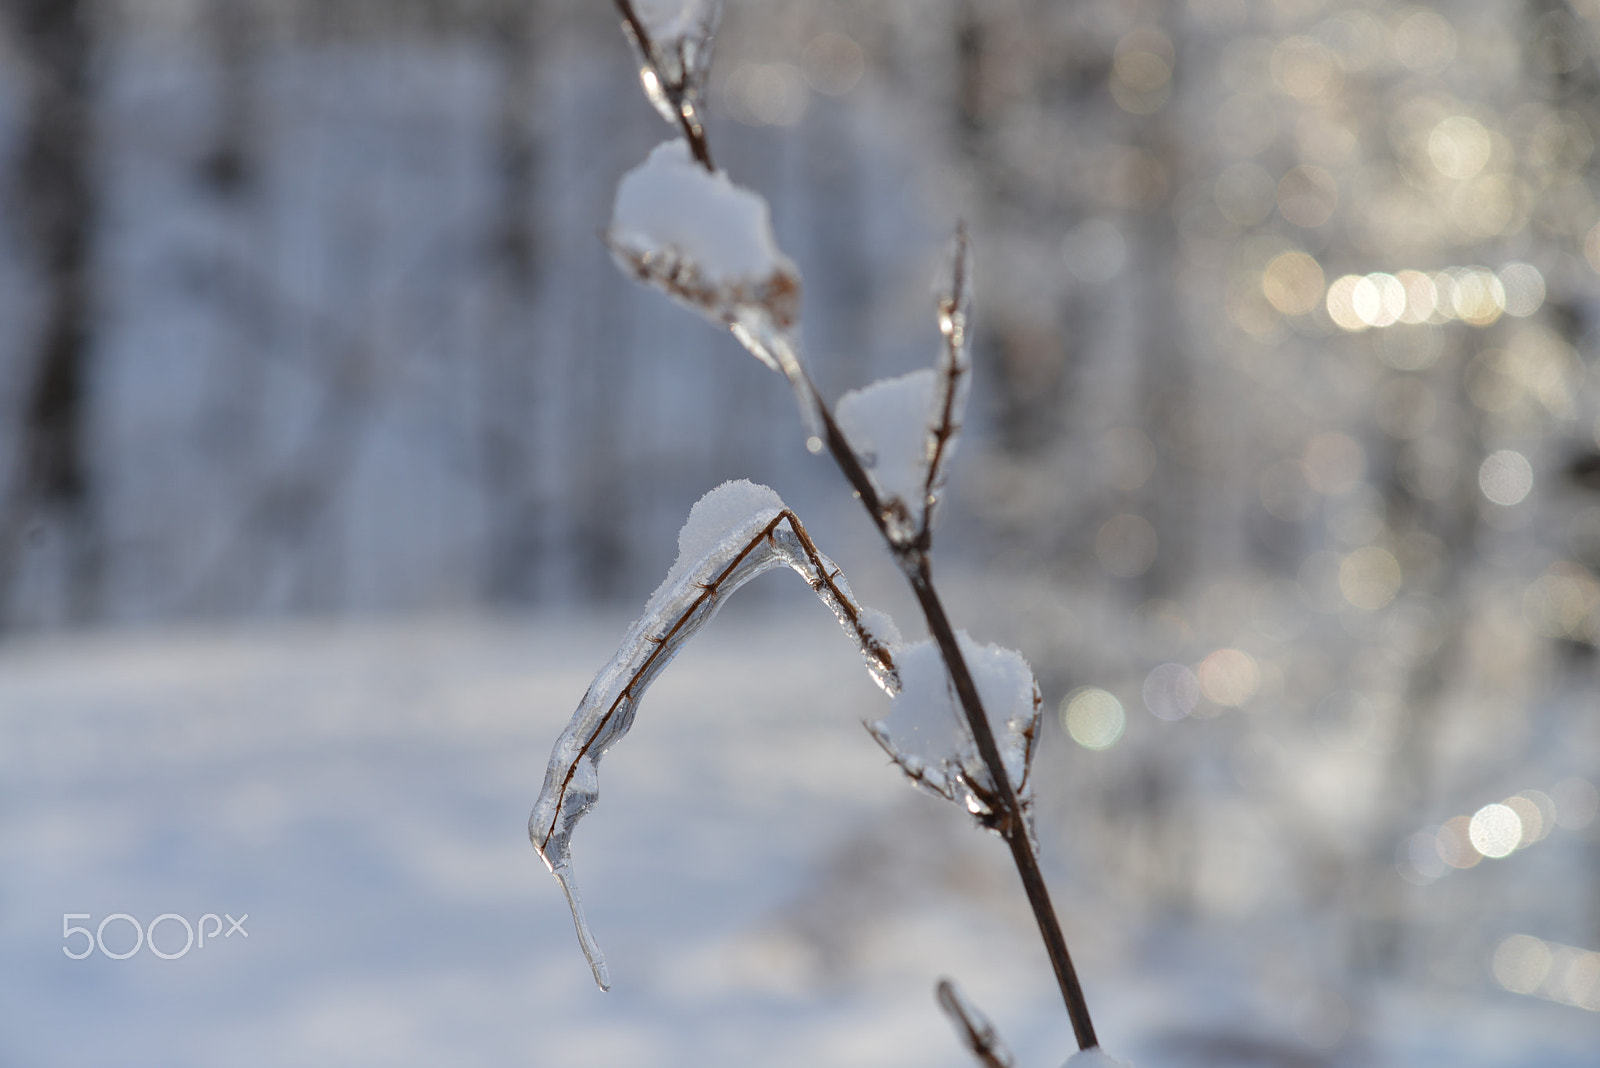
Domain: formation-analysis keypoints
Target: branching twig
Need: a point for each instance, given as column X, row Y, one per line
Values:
column 910, row 550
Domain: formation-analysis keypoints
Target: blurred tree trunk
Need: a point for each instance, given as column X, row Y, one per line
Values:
column 53, row 194
column 515, row 532
column 232, row 29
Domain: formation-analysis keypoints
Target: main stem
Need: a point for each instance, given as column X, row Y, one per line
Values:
column 1013, row 826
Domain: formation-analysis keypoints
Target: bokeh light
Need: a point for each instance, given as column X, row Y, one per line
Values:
column 1495, row 831
column 1505, row 477
column 1093, row 718
column 1369, row 577
column 1171, row 691
column 1229, row 677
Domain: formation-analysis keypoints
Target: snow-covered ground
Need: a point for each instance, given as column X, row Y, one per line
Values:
column 768, row 890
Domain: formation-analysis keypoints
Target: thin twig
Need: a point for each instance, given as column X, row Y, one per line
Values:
column 1012, row 826
column 1009, row 820
column 954, row 366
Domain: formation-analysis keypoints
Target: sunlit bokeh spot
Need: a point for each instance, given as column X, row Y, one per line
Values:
column 1495, row 831
column 1126, row 545
column 1421, row 856
column 765, row 94
column 1459, row 147
column 1171, row 691
column 1505, row 477
column 1546, row 807
column 1529, row 816
column 1591, row 247
column 1521, row 963
column 1524, row 288
column 1564, row 602
column 1378, row 299
column 1229, row 677
column 832, row 64
column 1356, row 39
column 1342, row 306
column 1093, row 717
column 1412, row 296
column 1580, row 983
column 1425, row 42
column 1476, row 297
column 1422, row 296
column 1304, row 68
column 1141, row 70
column 1143, row 59
column 1455, row 843
column 1333, row 463
column 1369, row 577
column 1292, row 283
column 1577, row 802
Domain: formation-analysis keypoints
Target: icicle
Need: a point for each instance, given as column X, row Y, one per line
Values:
column 734, row 533
column 708, row 244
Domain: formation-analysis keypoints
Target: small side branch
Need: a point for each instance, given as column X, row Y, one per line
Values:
column 955, row 364
column 976, row 1030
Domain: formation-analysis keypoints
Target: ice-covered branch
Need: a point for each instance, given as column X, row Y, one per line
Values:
column 976, row 1030
column 928, row 737
column 734, row 533
column 689, row 237
column 708, row 244
column 955, row 379
column 672, row 40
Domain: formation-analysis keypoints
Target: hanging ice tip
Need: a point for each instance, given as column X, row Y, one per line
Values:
column 591, row 948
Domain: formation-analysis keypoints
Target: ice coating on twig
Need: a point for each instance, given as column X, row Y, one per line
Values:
column 926, row 733
column 669, row 20
column 954, row 300
column 905, row 429
column 672, row 40
column 887, row 424
column 716, row 234
column 726, row 509
column 975, row 1029
column 734, row 533
column 708, row 244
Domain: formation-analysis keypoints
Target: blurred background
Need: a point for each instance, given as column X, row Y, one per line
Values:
column 335, row 455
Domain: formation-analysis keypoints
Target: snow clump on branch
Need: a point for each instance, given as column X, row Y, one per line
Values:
column 702, row 240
